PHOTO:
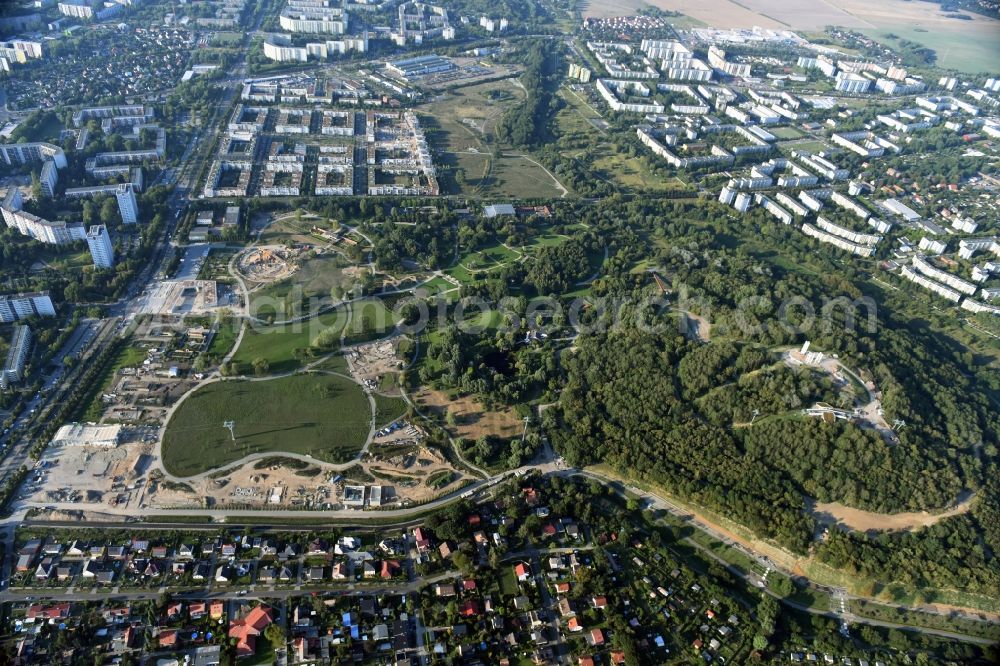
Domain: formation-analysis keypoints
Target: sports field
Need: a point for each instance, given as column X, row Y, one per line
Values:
column 327, row 417
column 969, row 46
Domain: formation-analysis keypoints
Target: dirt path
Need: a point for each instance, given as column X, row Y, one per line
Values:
column 834, row 513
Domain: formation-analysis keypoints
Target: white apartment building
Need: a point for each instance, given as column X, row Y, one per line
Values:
column 936, row 287
column 17, row 357
column 21, row 306
column 44, row 231
column 101, row 250
column 717, row 59
column 852, row 83
column 48, row 178
column 944, row 277
column 313, row 17
column 128, row 207
column 16, row 154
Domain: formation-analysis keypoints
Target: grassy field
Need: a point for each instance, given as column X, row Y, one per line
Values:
column 278, row 344
column 971, row 52
column 370, row 320
column 388, row 409
column 323, row 416
column 786, row 132
column 461, row 123
column 225, row 337
column 314, row 279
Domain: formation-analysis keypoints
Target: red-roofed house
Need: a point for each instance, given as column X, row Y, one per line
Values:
column 174, row 609
column 423, row 540
column 247, row 630
column 599, row 602
column 197, row 610
column 167, row 638
column 54, row 612
column 618, row 657
column 574, row 625
column 562, row 588
column 522, row 572
column 390, row 568
column 468, row 608
column 596, row 637
column 468, row 584
column 586, row 660
column 474, row 519
column 549, row 530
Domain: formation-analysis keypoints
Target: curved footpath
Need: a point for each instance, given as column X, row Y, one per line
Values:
column 333, row 467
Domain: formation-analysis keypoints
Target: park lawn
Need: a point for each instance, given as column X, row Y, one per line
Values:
column 314, row 278
column 371, row 319
column 633, row 173
column 515, row 176
column 61, row 260
column 548, row 240
column 336, row 363
column 461, row 274
column 489, row 258
column 324, row 416
column 277, row 344
column 435, row 286
column 482, row 320
column 293, row 228
column 224, row 338
column 388, row 409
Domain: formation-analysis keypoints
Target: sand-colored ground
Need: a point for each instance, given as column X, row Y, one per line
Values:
column 369, row 363
column 864, row 521
column 471, row 419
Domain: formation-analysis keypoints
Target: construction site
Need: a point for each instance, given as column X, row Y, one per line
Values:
column 263, row 264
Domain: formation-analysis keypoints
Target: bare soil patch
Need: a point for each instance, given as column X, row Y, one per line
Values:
column 471, row 419
column 865, row 521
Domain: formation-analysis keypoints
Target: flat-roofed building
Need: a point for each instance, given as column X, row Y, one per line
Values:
column 88, row 434
column 48, row 178
column 21, row 306
column 101, row 250
column 410, row 68
column 17, row 357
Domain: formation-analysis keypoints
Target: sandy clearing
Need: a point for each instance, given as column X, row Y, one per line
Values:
column 864, row 521
column 472, row 420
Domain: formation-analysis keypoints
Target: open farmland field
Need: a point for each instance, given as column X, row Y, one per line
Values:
column 969, row 46
column 327, row 417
